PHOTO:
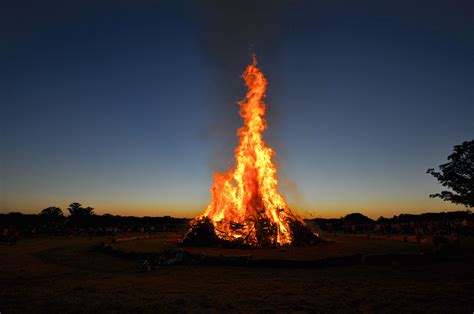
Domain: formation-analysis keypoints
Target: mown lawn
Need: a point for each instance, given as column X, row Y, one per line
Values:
column 337, row 245
column 62, row 275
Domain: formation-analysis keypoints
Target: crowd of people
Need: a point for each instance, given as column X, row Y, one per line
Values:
column 11, row 234
column 428, row 224
column 17, row 226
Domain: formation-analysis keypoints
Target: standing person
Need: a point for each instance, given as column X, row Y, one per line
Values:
column 5, row 234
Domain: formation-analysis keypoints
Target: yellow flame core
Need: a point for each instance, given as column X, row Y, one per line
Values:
column 248, row 193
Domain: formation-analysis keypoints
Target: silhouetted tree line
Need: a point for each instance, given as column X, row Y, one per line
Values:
column 457, row 175
column 82, row 221
column 445, row 223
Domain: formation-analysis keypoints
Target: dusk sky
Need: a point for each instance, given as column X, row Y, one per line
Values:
column 130, row 106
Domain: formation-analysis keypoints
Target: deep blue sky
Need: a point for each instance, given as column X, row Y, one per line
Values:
column 130, row 108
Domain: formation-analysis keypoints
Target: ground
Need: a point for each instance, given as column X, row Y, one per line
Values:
column 65, row 275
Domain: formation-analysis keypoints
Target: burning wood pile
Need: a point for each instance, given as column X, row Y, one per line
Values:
column 246, row 208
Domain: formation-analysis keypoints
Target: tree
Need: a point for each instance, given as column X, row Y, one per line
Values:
column 52, row 212
column 76, row 210
column 357, row 218
column 457, row 175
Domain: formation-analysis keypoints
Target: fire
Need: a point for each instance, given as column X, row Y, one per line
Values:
column 246, row 205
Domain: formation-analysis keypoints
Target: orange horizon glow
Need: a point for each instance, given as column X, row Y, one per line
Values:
column 325, row 209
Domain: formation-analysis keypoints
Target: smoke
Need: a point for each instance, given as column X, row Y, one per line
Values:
column 230, row 29
column 291, row 189
column 229, row 32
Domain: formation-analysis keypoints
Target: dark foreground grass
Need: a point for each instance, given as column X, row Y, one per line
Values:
column 60, row 275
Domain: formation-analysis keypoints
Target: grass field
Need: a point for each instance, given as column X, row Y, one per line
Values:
column 337, row 245
column 64, row 275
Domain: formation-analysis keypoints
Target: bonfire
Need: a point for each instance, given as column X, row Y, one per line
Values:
column 246, row 207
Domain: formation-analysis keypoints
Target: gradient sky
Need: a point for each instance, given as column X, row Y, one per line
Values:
column 130, row 108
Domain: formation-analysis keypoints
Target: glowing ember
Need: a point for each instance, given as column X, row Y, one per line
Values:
column 246, row 206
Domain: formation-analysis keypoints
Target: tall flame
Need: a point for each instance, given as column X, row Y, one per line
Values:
column 245, row 200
